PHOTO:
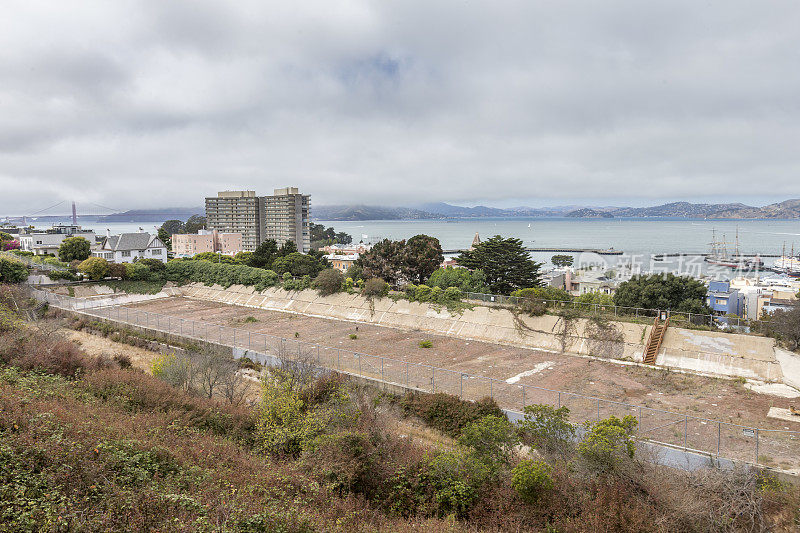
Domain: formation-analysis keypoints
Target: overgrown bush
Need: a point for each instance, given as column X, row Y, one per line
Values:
column 12, row 270
column 608, row 441
column 329, row 281
column 532, row 479
column 62, row 274
column 459, row 278
column 179, row 270
column 94, row 267
column 448, row 413
column 492, row 437
column 375, row 288
column 547, row 428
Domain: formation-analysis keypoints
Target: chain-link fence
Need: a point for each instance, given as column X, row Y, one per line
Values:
column 677, row 318
column 712, row 437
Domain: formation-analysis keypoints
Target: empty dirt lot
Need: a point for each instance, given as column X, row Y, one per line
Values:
column 696, row 396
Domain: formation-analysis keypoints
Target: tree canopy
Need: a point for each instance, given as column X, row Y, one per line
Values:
column 74, row 249
column 420, row 257
column 562, row 260
column 383, row 261
column 505, row 263
column 321, row 236
column 298, row 265
column 663, row 291
column 395, row 261
column 194, row 224
column 264, row 254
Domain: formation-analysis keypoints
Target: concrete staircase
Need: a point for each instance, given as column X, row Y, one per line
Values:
column 654, row 342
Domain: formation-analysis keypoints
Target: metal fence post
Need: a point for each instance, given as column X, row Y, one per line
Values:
column 598, row 409
column 461, row 387
column 756, row 461
column 338, row 357
column 559, row 399
column 406, row 374
column 523, row 397
column 685, row 429
column 719, row 431
column 491, row 388
column 433, row 380
column 382, row 379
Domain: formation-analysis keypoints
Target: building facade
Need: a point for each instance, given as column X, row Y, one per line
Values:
column 283, row 216
column 49, row 241
column 286, row 218
column 188, row 245
column 128, row 247
column 237, row 212
column 342, row 262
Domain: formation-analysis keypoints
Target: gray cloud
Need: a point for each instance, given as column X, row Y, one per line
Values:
column 137, row 104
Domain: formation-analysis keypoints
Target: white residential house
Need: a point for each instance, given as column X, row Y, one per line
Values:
column 127, row 247
column 48, row 242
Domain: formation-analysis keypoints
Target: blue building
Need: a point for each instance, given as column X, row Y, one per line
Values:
column 723, row 300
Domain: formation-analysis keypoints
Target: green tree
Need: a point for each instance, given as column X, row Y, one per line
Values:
column 505, row 262
column 168, row 229
column 195, row 224
column 298, row 265
column 74, row 249
column 562, row 260
column 264, row 255
column 659, row 291
column 94, row 267
column 784, row 325
column 420, row 257
column 288, row 247
column 383, row 261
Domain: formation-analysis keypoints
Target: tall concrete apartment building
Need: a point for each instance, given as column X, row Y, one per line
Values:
column 284, row 216
column 236, row 212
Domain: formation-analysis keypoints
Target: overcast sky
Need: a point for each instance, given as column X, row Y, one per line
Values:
column 150, row 104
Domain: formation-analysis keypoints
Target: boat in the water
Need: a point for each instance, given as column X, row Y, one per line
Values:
column 787, row 264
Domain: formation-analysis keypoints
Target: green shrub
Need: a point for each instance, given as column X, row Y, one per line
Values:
column 459, row 278
column 353, row 336
column 492, row 437
column 422, row 293
column 375, row 288
column 425, row 344
column 544, row 293
column 608, row 441
column 446, row 412
column 137, row 271
column 94, row 267
column 62, row 274
column 452, row 293
column 456, row 478
column 329, row 281
column 547, row 428
column 532, row 479
column 12, row 270
column 181, row 270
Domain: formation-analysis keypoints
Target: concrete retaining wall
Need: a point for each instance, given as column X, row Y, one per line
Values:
column 698, row 351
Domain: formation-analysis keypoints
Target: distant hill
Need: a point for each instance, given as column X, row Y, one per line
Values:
column 588, row 212
column 368, row 212
column 154, row 215
column 788, row 209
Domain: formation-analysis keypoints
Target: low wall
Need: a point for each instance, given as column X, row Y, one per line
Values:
column 697, row 351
